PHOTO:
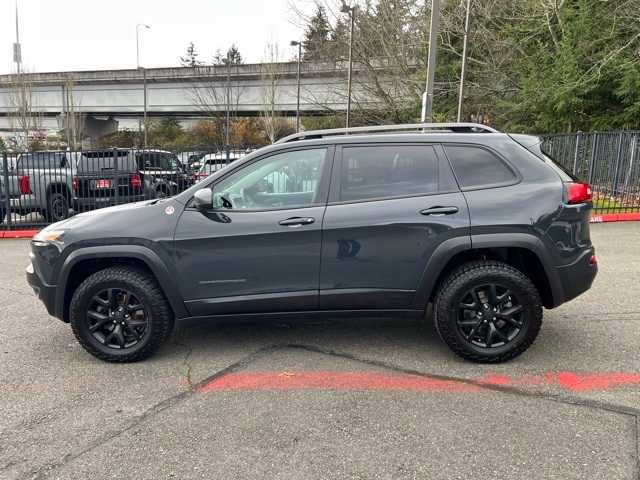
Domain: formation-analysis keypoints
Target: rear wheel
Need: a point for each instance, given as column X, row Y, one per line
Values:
column 488, row 311
column 120, row 315
column 57, row 207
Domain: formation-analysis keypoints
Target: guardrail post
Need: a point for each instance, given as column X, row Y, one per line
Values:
column 7, row 200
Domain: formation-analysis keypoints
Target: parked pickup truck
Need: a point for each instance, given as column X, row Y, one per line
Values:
column 44, row 182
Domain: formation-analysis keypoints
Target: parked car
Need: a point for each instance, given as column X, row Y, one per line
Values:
column 104, row 178
column 191, row 160
column 347, row 222
column 45, row 184
column 212, row 162
column 165, row 173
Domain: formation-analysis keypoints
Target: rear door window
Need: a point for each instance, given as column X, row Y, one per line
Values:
column 477, row 167
column 383, row 171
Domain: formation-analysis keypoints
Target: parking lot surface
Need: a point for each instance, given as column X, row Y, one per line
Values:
column 346, row 399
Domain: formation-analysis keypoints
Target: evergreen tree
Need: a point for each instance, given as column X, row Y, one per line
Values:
column 232, row 57
column 191, row 57
column 316, row 43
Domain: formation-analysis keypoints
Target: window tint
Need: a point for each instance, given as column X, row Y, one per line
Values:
column 284, row 180
column 383, row 171
column 477, row 167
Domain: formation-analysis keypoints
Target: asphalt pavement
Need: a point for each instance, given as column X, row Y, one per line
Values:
column 357, row 399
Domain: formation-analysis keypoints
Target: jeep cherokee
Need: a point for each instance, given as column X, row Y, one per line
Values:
column 345, row 222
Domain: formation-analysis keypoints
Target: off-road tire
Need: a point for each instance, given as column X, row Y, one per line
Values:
column 476, row 273
column 146, row 289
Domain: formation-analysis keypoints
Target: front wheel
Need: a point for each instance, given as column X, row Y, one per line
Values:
column 488, row 312
column 120, row 315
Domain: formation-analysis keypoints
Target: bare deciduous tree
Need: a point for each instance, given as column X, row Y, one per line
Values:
column 23, row 118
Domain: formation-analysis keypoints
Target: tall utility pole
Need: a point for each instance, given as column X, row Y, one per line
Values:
column 352, row 14
column 295, row 43
column 434, row 30
column 464, row 60
column 17, row 48
column 144, row 79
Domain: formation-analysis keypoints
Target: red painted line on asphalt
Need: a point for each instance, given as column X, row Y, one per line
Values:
column 18, row 233
column 373, row 381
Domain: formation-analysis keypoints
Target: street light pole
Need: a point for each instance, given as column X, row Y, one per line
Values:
column 352, row 14
column 427, row 97
column 295, row 43
column 464, row 61
column 144, row 78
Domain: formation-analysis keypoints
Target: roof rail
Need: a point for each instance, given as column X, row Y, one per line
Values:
column 434, row 127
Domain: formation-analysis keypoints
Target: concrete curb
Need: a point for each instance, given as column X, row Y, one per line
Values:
column 604, row 218
column 615, row 217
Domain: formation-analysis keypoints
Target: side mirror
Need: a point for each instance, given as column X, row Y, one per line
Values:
column 203, row 199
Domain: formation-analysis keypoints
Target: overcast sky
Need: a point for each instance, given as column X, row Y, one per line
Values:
column 60, row 35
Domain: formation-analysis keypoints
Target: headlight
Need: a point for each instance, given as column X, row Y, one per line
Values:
column 49, row 237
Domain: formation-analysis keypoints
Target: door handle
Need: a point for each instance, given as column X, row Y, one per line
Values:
column 439, row 211
column 297, row 221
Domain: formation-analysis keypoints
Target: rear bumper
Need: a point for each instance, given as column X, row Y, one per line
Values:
column 577, row 277
column 92, row 203
column 46, row 293
column 25, row 203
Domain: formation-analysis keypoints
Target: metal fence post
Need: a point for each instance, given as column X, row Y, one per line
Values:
column 577, row 152
column 594, row 147
column 7, row 200
column 614, row 180
column 116, row 176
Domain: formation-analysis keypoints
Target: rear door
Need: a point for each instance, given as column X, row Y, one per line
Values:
column 390, row 207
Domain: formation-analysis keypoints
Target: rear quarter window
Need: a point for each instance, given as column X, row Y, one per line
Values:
column 387, row 171
column 477, row 167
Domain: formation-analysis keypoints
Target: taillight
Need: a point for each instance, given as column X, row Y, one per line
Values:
column 75, row 184
column 135, row 181
column 578, row 192
column 23, row 184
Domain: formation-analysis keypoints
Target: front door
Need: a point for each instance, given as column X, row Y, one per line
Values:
column 257, row 249
column 389, row 208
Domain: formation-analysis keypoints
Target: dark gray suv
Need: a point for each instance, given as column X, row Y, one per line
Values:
column 377, row 221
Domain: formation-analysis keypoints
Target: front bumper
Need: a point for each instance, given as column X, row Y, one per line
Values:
column 46, row 293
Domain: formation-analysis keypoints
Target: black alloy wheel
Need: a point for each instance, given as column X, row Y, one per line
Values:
column 490, row 316
column 120, row 314
column 488, row 311
column 117, row 318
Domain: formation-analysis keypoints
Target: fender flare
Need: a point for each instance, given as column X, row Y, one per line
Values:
column 144, row 254
column 453, row 246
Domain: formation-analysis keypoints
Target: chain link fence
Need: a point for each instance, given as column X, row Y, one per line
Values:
column 609, row 161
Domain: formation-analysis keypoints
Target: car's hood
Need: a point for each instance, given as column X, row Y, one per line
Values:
column 93, row 216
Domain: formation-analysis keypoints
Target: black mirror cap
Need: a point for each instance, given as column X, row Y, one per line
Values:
column 203, row 199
